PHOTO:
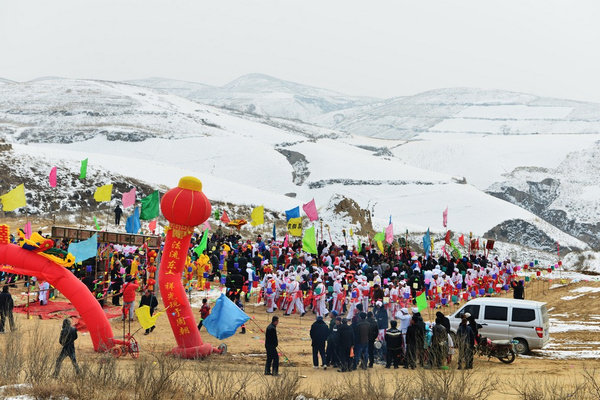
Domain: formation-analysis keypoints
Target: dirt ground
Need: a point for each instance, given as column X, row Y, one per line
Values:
column 293, row 331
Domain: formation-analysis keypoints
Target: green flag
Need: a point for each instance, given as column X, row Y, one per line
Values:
column 359, row 245
column 96, row 222
column 380, row 237
column 421, row 301
column 216, row 214
column 150, row 205
column 202, row 246
column 455, row 252
column 83, row 169
column 309, row 241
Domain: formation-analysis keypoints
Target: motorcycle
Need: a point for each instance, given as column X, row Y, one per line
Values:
column 503, row 350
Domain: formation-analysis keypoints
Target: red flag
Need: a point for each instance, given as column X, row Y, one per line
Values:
column 447, row 238
column 224, row 218
column 152, row 225
column 445, row 217
column 461, row 240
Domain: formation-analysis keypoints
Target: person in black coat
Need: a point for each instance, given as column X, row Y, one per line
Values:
column 6, row 309
column 319, row 331
column 465, row 341
column 394, row 341
column 441, row 319
column 118, row 213
column 372, row 337
column 68, row 336
column 332, row 340
column 412, row 343
column 518, row 290
column 271, row 344
column 149, row 299
column 346, row 341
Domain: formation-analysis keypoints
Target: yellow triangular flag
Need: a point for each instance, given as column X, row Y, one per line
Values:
column 351, row 233
column 258, row 216
column 144, row 318
column 103, row 193
column 380, row 245
column 14, row 199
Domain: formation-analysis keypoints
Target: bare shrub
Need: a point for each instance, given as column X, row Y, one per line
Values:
column 10, row 372
column 214, row 381
column 453, row 384
column 37, row 363
column 554, row 389
column 284, row 386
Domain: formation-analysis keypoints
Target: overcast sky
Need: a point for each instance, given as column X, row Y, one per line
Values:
column 369, row 47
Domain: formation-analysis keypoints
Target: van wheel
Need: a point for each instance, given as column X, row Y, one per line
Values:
column 521, row 347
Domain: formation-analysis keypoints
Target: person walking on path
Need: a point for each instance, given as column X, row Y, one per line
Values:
column 363, row 334
column 68, row 335
column 271, row 344
column 6, row 309
column 319, row 331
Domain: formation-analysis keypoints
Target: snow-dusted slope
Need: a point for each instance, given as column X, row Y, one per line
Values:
column 464, row 110
column 75, row 110
column 262, row 95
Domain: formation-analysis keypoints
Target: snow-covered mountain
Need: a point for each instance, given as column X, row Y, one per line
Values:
column 140, row 136
column 464, row 110
column 262, row 95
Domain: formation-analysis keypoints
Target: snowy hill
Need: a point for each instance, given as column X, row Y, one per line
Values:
column 464, row 110
column 262, row 95
column 139, row 136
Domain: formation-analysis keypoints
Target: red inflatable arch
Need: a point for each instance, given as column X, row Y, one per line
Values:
column 19, row 261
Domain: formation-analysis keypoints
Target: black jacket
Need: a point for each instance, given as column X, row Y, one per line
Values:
column 382, row 318
column 6, row 302
column 271, row 336
column 465, row 337
column 319, row 331
column 374, row 329
column 346, row 335
column 149, row 301
column 519, row 290
column 393, row 339
column 363, row 332
column 412, row 335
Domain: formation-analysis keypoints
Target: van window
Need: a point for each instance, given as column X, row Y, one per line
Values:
column 544, row 314
column 495, row 313
column 523, row 314
column 472, row 309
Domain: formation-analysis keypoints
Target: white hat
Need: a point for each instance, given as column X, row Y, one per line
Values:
column 394, row 274
column 404, row 310
column 319, row 280
column 415, row 310
column 467, row 315
column 376, row 272
column 378, row 303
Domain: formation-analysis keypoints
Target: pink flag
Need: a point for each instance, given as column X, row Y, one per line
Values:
column 389, row 233
column 27, row 230
column 285, row 241
column 152, row 225
column 311, row 210
column 52, row 177
column 206, row 225
column 445, row 217
column 129, row 198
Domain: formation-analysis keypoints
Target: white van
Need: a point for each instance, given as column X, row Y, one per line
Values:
column 524, row 321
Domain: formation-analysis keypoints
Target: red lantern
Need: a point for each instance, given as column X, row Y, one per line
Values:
column 151, row 282
column 538, row 273
column 549, row 269
column 186, row 204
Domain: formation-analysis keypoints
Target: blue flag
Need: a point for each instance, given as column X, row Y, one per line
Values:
column 293, row 213
column 133, row 224
column 427, row 243
column 84, row 250
column 225, row 318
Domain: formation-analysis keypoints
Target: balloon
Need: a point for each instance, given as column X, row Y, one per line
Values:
column 184, row 207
